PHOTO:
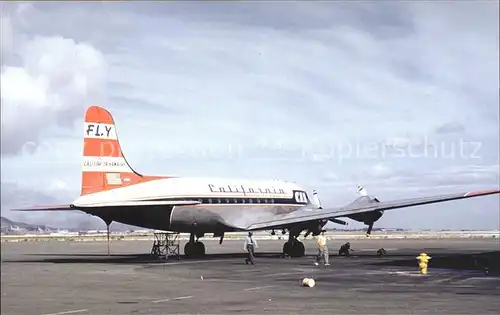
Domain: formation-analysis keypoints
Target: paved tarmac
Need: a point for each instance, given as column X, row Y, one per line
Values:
column 79, row 278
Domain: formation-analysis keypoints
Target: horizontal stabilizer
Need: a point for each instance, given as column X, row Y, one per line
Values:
column 48, row 208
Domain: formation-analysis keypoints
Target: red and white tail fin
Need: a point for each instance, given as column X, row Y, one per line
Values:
column 104, row 166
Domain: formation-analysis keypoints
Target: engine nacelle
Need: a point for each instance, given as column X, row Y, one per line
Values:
column 367, row 217
column 315, row 228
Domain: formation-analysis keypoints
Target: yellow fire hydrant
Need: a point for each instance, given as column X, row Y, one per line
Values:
column 423, row 261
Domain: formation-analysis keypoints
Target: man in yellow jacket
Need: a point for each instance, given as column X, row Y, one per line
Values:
column 322, row 249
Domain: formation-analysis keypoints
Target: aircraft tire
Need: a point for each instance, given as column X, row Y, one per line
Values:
column 287, row 248
column 200, row 249
column 294, row 249
column 189, row 250
column 194, row 250
column 298, row 249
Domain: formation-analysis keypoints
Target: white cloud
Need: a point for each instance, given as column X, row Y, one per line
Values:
column 55, row 81
column 451, row 127
column 380, row 171
column 7, row 38
column 268, row 91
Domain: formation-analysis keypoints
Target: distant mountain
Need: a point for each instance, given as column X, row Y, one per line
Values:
column 364, row 229
column 11, row 226
column 97, row 224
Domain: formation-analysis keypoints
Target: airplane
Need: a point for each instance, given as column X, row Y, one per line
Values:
column 113, row 191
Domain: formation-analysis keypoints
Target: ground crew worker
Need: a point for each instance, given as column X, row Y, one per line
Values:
column 345, row 249
column 322, row 249
column 250, row 245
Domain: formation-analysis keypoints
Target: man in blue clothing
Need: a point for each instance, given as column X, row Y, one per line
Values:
column 250, row 245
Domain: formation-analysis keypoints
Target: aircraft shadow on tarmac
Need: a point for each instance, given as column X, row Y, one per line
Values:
column 74, row 258
column 128, row 259
column 485, row 261
column 479, row 261
column 148, row 258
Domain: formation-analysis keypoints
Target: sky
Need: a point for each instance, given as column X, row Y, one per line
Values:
column 400, row 97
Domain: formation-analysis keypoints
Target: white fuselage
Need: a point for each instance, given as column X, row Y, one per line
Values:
column 224, row 203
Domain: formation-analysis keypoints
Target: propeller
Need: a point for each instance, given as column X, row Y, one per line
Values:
column 315, row 200
column 362, row 191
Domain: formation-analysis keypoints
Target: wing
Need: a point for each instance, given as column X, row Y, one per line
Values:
column 309, row 214
column 132, row 203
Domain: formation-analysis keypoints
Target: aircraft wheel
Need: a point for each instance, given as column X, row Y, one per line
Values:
column 194, row 250
column 298, row 250
column 294, row 249
column 200, row 249
column 188, row 249
column 287, row 248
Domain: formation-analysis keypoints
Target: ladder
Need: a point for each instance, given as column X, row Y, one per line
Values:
column 166, row 245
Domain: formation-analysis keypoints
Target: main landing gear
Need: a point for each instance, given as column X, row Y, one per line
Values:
column 293, row 247
column 194, row 249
